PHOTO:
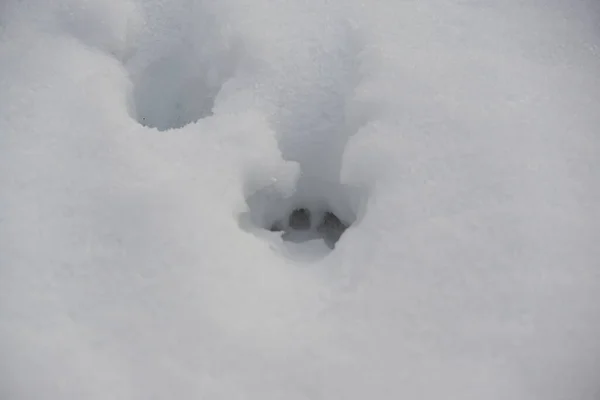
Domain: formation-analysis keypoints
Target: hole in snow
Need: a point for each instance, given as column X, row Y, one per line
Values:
column 302, row 226
column 306, row 224
column 174, row 91
column 176, row 79
column 314, row 123
column 299, row 219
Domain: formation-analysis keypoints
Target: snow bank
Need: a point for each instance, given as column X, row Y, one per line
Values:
column 152, row 152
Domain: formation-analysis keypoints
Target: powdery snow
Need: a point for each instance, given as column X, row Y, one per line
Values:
column 152, row 152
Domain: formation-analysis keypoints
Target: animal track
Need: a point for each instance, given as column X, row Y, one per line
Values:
column 300, row 227
column 177, row 84
column 315, row 216
column 176, row 81
column 314, row 126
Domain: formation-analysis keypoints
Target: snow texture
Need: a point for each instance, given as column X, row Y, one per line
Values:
column 149, row 148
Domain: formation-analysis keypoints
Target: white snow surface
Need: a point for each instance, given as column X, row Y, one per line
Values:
column 145, row 146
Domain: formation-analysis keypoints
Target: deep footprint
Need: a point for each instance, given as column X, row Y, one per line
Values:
column 176, row 81
column 301, row 228
column 314, row 124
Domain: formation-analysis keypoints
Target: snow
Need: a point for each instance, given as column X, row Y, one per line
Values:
column 147, row 148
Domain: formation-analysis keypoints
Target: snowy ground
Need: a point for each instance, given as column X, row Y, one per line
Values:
column 149, row 148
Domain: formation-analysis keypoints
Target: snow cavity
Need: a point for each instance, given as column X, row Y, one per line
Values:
column 307, row 223
column 314, row 121
column 177, row 75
